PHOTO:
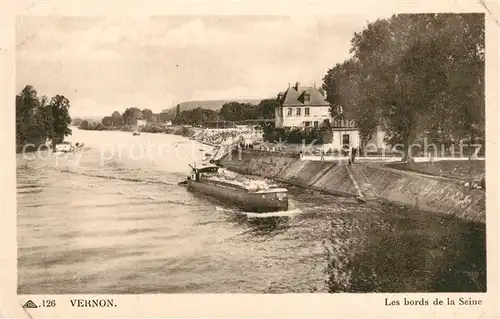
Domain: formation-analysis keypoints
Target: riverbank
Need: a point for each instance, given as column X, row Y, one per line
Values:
column 423, row 233
column 430, row 193
column 322, row 244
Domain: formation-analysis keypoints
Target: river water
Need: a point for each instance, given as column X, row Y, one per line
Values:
column 112, row 219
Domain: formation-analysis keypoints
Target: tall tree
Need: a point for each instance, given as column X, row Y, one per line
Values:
column 413, row 74
column 59, row 108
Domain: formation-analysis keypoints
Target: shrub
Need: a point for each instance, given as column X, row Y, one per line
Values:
column 295, row 135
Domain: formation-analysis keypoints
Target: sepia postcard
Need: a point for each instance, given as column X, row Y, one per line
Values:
column 237, row 159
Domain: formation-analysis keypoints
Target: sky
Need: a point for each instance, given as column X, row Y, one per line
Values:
column 102, row 64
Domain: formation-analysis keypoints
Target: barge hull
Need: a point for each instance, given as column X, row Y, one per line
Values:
column 249, row 202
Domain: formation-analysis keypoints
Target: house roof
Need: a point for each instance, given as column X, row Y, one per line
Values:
column 293, row 97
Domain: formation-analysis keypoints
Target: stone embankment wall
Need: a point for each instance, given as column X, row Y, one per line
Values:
column 430, row 194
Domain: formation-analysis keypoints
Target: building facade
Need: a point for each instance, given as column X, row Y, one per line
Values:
column 301, row 107
column 306, row 106
column 345, row 135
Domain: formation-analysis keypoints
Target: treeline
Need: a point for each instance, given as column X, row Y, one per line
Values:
column 232, row 111
column 128, row 118
column 415, row 76
column 39, row 119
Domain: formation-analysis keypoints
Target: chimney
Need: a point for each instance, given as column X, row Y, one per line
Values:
column 297, row 86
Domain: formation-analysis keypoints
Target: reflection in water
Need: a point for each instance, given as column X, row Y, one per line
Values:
column 123, row 225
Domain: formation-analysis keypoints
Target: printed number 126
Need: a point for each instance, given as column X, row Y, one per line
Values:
column 48, row 303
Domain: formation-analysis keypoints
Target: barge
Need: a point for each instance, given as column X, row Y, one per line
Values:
column 248, row 194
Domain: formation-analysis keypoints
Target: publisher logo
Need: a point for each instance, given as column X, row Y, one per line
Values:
column 30, row 304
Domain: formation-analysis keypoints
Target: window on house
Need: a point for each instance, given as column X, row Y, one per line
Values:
column 316, row 123
column 307, row 124
column 298, row 112
column 345, row 139
column 307, row 97
column 289, row 111
column 306, row 111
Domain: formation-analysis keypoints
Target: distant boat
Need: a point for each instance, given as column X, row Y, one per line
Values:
column 244, row 193
column 136, row 133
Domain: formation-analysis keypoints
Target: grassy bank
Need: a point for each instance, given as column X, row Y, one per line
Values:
column 466, row 170
column 401, row 249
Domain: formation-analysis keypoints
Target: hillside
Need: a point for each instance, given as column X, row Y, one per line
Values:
column 211, row 105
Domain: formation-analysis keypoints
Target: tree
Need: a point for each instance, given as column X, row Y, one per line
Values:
column 59, row 108
column 38, row 119
column 413, row 74
column 155, row 118
column 76, row 121
column 266, row 108
column 196, row 116
column 84, row 125
column 147, row 114
column 108, row 121
column 116, row 119
column 131, row 115
column 165, row 116
column 234, row 111
column 116, row 115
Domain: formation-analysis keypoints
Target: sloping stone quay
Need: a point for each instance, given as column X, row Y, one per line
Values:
column 428, row 193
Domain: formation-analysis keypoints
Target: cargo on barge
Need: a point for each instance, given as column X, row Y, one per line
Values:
column 247, row 194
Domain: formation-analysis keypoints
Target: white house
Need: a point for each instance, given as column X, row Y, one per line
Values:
column 306, row 106
column 141, row 123
column 301, row 107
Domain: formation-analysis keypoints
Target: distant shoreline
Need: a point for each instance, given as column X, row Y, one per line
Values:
column 150, row 128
